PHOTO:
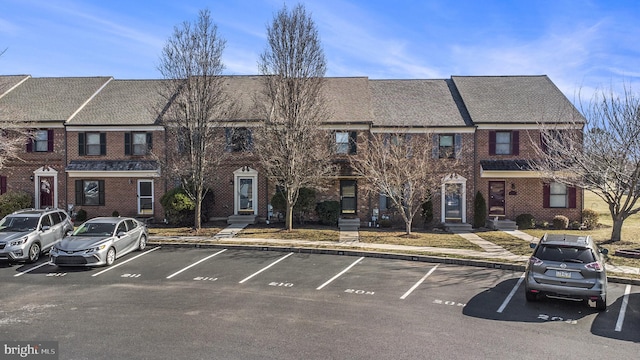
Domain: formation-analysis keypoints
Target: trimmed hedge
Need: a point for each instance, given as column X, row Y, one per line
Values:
column 525, row 221
column 13, row 201
column 560, row 222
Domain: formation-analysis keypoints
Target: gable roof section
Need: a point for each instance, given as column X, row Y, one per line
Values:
column 515, row 100
column 348, row 99
column 7, row 82
column 49, row 99
column 122, row 102
column 419, row 103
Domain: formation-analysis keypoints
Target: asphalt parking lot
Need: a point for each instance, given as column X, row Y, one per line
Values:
column 404, row 304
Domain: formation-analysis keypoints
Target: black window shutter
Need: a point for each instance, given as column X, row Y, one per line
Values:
column 101, row 192
column 435, row 149
column 546, row 196
column 515, row 147
column 29, row 145
column 492, row 142
column 103, row 143
column 3, row 184
column 149, row 141
column 543, row 143
column 79, row 192
column 353, row 142
column 571, row 190
column 50, row 140
column 127, row 143
column 81, row 149
column 249, row 140
column 228, row 143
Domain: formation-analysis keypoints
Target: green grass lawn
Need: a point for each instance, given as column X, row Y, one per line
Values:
column 630, row 231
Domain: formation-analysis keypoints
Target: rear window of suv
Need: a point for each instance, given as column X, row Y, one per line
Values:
column 564, row 254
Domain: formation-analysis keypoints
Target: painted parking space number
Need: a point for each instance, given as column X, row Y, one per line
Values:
column 359, row 292
column 280, row 284
column 56, row 274
column 448, row 302
column 130, row 275
column 204, row 278
column 546, row 317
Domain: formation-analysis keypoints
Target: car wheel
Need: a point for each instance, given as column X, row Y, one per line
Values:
column 601, row 304
column 530, row 296
column 111, row 257
column 34, row 252
column 142, row 243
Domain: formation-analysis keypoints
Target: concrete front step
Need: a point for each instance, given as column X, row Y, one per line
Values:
column 345, row 224
column 504, row 225
column 458, row 227
column 241, row 219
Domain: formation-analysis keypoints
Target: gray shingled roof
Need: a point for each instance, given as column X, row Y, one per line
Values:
column 112, row 165
column 348, row 99
column 515, row 99
column 8, row 81
column 48, row 99
column 426, row 103
column 123, row 102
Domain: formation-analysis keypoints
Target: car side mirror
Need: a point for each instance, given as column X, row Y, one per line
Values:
column 120, row 234
column 45, row 227
column 604, row 251
column 532, row 245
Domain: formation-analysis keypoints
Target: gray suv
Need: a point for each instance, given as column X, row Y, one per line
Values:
column 567, row 267
column 25, row 234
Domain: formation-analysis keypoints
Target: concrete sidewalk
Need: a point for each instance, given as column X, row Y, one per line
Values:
column 350, row 240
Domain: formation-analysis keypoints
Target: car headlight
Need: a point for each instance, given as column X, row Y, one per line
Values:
column 97, row 248
column 18, row 242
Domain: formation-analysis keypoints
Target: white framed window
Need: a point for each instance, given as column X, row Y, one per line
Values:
column 558, row 195
column 503, row 142
column 93, row 144
column 41, row 141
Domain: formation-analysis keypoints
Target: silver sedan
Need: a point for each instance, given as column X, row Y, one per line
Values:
column 100, row 241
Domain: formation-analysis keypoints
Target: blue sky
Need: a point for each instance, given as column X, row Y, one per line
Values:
column 579, row 44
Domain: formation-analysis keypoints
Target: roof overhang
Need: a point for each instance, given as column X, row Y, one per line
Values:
column 113, row 174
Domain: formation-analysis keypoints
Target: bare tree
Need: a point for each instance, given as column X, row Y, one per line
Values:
column 603, row 158
column 191, row 64
column 290, row 144
column 405, row 168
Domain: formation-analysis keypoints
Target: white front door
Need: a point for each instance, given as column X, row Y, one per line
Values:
column 145, row 197
column 245, row 188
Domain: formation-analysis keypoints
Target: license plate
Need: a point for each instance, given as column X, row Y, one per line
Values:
column 563, row 274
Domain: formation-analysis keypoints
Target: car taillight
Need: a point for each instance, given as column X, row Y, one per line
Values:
column 594, row 266
column 535, row 261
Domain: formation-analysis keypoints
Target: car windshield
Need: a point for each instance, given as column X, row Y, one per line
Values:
column 564, row 254
column 19, row 223
column 95, row 229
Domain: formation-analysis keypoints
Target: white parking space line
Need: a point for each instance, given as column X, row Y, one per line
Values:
column 33, row 268
column 265, row 268
column 513, row 292
column 419, row 283
column 196, row 263
column 124, row 262
column 623, row 309
column 339, row 274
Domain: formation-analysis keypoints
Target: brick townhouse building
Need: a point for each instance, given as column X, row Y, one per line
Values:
column 106, row 146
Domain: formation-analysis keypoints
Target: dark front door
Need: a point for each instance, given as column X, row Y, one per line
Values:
column 496, row 198
column 348, row 191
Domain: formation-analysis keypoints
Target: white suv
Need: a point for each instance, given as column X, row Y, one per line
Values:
column 25, row 234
